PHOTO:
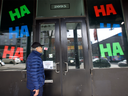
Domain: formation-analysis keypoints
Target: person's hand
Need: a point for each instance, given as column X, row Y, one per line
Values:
column 36, row 92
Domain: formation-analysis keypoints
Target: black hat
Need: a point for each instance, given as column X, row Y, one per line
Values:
column 36, row 44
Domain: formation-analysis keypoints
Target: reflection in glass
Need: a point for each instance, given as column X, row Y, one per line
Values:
column 14, row 57
column 75, row 49
column 108, row 47
column 47, row 38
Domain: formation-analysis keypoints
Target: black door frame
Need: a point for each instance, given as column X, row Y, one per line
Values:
column 51, row 74
column 60, row 40
column 84, row 40
column 86, row 71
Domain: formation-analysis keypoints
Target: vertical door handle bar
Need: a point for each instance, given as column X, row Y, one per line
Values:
column 56, row 67
column 66, row 68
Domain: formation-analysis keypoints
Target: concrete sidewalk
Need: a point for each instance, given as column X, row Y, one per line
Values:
column 12, row 67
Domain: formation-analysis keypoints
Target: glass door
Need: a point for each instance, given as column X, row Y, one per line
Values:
column 65, row 56
column 48, row 35
column 75, row 62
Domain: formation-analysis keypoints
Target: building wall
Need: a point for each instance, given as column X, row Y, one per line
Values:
column 105, row 81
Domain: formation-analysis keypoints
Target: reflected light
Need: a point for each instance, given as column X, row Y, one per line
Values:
column 104, row 33
column 122, row 23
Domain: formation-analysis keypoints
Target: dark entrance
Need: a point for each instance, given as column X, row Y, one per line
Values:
column 65, row 56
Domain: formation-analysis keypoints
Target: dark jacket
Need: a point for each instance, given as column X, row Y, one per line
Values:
column 35, row 71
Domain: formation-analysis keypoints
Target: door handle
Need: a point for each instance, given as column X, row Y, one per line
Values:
column 56, row 67
column 66, row 68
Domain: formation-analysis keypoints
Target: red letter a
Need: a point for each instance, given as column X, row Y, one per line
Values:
column 19, row 53
column 110, row 9
column 6, row 51
column 97, row 11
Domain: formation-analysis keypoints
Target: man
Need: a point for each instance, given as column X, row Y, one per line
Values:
column 35, row 70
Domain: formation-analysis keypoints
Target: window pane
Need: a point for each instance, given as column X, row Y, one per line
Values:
column 107, row 34
column 14, row 34
column 47, row 38
column 74, row 46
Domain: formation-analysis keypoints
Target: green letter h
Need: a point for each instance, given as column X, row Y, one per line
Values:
column 12, row 15
column 103, row 50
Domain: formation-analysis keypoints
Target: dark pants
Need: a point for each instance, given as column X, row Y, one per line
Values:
column 40, row 92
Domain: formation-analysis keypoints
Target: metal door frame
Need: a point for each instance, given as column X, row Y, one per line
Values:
column 50, row 73
column 61, row 40
column 85, row 48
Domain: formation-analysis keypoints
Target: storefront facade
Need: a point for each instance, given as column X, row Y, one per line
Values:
column 85, row 46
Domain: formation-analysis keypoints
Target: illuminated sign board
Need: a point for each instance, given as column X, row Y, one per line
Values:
column 60, row 6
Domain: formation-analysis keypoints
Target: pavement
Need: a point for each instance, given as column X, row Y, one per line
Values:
column 22, row 66
column 12, row 67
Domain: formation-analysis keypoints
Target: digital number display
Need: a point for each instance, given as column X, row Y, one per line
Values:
column 60, row 6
